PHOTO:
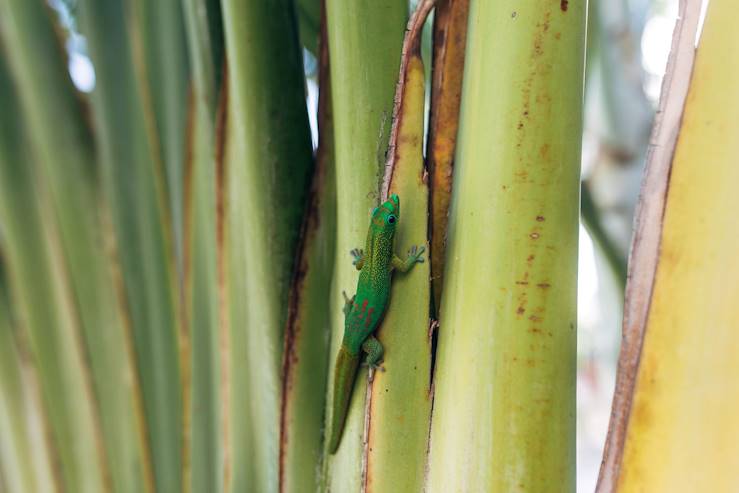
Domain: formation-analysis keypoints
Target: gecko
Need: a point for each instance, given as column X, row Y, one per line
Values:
column 363, row 312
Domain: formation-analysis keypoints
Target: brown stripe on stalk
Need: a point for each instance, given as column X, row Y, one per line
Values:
column 411, row 49
column 183, row 335
column 221, row 270
column 303, row 264
column 450, row 39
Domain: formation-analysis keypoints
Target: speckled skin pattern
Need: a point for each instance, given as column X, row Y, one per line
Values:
column 364, row 311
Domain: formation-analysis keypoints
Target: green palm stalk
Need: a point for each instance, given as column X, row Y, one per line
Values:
column 267, row 167
column 504, row 408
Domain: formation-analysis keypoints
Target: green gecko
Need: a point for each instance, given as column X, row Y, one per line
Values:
column 364, row 311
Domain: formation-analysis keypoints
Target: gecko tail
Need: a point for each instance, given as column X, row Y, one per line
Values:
column 344, row 375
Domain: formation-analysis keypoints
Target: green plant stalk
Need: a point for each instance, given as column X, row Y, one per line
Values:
column 161, row 63
column 133, row 184
column 204, row 463
column 205, row 42
column 504, row 408
column 63, row 169
column 241, row 433
column 268, row 169
column 24, row 456
column 400, row 406
column 306, row 370
column 365, row 39
column 46, row 311
column 305, row 360
column 16, row 459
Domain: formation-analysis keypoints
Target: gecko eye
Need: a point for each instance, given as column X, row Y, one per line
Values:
column 391, row 219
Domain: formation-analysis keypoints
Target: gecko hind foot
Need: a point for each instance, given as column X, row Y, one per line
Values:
column 348, row 303
column 372, row 368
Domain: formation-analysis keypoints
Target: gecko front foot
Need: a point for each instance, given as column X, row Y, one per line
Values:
column 357, row 254
column 415, row 253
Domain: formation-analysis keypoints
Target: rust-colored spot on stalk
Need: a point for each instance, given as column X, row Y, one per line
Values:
column 544, row 151
column 532, row 96
column 563, row 4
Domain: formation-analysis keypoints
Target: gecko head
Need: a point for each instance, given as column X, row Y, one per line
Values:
column 385, row 217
